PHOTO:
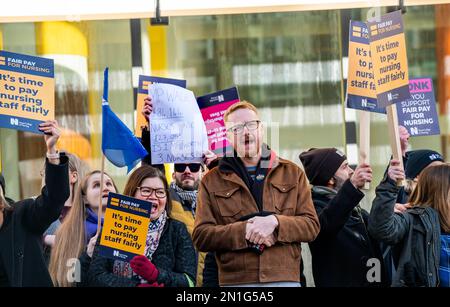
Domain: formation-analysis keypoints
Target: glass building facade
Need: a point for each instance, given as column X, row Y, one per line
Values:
column 291, row 65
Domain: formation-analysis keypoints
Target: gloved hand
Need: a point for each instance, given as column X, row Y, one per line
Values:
column 153, row 285
column 144, row 268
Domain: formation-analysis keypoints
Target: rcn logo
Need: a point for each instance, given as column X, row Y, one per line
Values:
column 117, row 254
column 414, row 130
column 14, row 121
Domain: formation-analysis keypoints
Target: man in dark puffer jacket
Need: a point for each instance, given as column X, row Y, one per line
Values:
column 342, row 252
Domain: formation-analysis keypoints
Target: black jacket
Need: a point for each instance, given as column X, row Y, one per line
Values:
column 21, row 233
column 343, row 247
column 174, row 257
column 415, row 236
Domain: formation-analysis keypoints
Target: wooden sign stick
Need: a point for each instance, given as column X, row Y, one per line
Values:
column 394, row 137
column 364, row 141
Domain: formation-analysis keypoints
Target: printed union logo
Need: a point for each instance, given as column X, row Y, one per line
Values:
column 414, row 131
column 145, row 84
column 221, row 98
column 14, row 121
column 364, row 102
column 356, row 31
column 389, row 96
column 114, row 202
column 117, row 254
column 373, row 30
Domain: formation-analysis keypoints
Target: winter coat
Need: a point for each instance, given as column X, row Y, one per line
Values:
column 21, row 233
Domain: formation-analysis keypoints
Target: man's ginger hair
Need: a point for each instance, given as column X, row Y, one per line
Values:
column 239, row 105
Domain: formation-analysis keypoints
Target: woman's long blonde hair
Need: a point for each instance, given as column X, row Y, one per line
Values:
column 78, row 166
column 70, row 238
column 433, row 190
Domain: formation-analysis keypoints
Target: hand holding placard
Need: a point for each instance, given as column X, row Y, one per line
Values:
column 27, row 91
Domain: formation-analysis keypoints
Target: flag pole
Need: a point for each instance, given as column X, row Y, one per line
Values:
column 100, row 207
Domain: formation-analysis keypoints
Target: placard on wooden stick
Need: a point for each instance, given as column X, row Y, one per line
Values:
column 394, row 136
column 364, row 140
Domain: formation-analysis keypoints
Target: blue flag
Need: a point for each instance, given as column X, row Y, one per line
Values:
column 119, row 145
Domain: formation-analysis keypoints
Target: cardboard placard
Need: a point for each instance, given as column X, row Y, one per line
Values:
column 419, row 114
column 361, row 90
column 213, row 106
column 177, row 129
column 125, row 227
column 27, row 91
column 142, row 93
column 390, row 64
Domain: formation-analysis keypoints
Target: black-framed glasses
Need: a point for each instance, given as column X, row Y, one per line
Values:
column 147, row 191
column 251, row 125
column 181, row 167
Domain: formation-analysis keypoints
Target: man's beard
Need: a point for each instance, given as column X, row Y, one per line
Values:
column 188, row 187
column 338, row 183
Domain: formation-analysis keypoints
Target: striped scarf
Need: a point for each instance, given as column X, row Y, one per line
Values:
column 189, row 197
column 155, row 229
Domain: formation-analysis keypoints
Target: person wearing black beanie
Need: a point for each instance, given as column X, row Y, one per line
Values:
column 341, row 252
column 418, row 160
column 321, row 164
column 415, row 162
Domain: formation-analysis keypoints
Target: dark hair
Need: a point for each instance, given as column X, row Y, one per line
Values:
column 142, row 173
column 433, row 190
column 4, row 205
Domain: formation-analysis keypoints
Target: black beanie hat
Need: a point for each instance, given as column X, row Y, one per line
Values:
column 418, row 160
column 321, row 164
column 2, row 183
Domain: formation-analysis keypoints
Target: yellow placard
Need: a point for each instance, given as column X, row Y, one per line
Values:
column 125, row 227
column 124, row 231
column 390, row 64
column 360, row 73
column 27, row 91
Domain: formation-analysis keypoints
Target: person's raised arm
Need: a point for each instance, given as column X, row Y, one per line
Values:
column 46, row 208
column 384, row 224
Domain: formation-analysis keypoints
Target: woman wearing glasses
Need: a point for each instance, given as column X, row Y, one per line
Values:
column 169, row 259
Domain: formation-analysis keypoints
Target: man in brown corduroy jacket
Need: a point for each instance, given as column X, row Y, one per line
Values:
column 254, row 209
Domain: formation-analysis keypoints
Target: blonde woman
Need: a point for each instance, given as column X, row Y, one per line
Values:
column 77, row 171
column 22, row 224
column 75, row 238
